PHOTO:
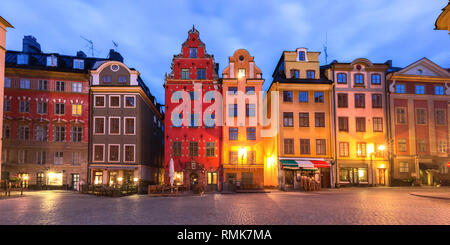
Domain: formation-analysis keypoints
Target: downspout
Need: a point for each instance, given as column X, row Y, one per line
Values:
column 333, row 130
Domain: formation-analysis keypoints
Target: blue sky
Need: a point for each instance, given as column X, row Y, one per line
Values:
column 149, row 33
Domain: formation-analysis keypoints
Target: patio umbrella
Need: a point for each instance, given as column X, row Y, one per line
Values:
column 171, row 172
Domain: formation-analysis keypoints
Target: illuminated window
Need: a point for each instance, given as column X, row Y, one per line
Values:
column 233, row 157
column 402, row 145
column 343, row 149
column 378, row 124
column 251, row 157
column 98, row 177
column 212, row 178
column 76, row 109
column 54, row 179
column 404, row 167
column 361, row 149
column 241, row 72
column 288, row 119
column 178, row 178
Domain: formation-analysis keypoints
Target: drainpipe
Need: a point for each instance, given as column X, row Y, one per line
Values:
column 333, row 132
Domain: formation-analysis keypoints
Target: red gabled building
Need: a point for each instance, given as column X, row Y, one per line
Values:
column 193, row 144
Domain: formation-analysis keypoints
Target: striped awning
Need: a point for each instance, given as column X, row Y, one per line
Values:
column 304, row 164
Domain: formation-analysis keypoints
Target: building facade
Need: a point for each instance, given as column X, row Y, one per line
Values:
column 243, row 148
column 192, row 103
column 46, row 120
column 361, row 125
column 419, row 124
column 126, row 136
column 305, row 138
column 3, row 25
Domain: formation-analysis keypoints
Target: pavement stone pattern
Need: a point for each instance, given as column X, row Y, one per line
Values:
column 355, row 206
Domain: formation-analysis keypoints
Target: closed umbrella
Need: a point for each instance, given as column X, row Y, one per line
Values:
column 171, row 172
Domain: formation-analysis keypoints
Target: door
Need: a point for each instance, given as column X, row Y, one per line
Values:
column 289, row 177
column 381, row 176
column 194, row 180
column 325, row 177
column 76, row 182
column 230, row 181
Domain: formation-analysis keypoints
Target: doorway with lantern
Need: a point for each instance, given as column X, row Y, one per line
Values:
column 193, row 180
column 381, row 176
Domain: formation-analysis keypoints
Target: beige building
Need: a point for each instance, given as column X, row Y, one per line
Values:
column 3, row 25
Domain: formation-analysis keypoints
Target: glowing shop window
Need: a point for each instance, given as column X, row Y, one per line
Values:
column 54, row 179
column 178, row 178
column 212, row 178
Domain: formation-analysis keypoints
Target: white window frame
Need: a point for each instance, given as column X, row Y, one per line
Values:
column 78, row 64
column 109, row 126
column 125, row 125
column 125, row 101
column 104, row 101
column 26, row 82
column 134, row 152
column 109, row 152
column 75, row 84
column 104, row 126
column 52, row 60
column 54, row 158
column 109, row 101
column 93, row 152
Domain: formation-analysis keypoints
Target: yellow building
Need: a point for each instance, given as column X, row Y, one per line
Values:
column 443, row 21
column 3, row 25
column 304, row 113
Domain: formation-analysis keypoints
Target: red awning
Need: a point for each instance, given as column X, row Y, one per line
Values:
column 320, row 164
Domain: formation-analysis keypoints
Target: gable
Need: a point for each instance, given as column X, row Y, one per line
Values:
column 424, row 67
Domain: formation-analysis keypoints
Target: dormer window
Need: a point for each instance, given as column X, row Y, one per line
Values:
column 192, row 52
column 52, row 60
column 310, row 74
column 22, row 59
column 301, row 55
column 78, row 64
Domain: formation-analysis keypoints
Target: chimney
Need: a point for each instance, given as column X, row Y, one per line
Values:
column 81, row 54
column 389, row 63
column 113, row 55
column 30, row 45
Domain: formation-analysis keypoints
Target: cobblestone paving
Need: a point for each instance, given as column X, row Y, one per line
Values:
column 343, row 206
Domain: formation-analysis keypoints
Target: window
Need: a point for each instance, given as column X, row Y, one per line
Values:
column 129, row 153
column 25, row 84
column 52, row 60
column 361, row 149
column 378, row 124
column 78, row 64
column 193, row 149
column 99, row 125
column 305, row 147
column 377, row 101
column 194, row 120
column 40, row 178
column 212, row 178
column 6, row 105
column 114, row 101
column 42, row 85
column 41, row 107
column 404, row 168
column 318, row 97
column 60, row 86
column 210, row 149
column 7, row 131
column 233, row 157
column 76, row 158
column 59, row 133
column 319, row 119
column 310, row 74
column 288, row 119
column 420, row 89
column 342, row 100
column 122, row 79
column 400, row 115
column 402, row 146
column 422, row 146
column 251, row 133
column 303, row 119
column 400, row 88
column 59, row 158
column 251, row 157
column 301, row 55
column 114, row 153
column 22, row 156
column 233, row 110
column 250, row 110
column 201, row 73
column 99, row 100
column 250, row 90
column 321, row 148
column 295, row 74
column 376, row 79
column 106, row 79
column 421, row 116
column 233, row 133
column 287, row 96
column 24, row 106
column 98, row 177
column 76, row 109
column 77, row 134
column 22, row 59
column 40, row 132
column 185, row 74
column 359, row 79
column 360, row 100
column 24, row 132
column 342, row 78
column 7, row 82
column 439, row 90
column 343, row 149
column 99, row 153
column 114, row 125
column 442, row 146
column 77, row 87
column 130, row 101
column 288, row 146
column 59, row 108
column 343, row 124
column 130, row 125
column 303, row 97
column 192, row 52
column 176, row 148
column 360, row 124
column 441, row 117
column 232, row 90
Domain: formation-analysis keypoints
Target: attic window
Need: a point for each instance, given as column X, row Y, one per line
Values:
column 419, row 72
column 192, row 52
column 52, row 60
column 78, row 64
column 22, row 59
column 241, row 58
column 301, row 55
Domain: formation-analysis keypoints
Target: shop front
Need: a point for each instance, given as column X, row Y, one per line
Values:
column 114, row 175
column 360, row 173
column 292, row 170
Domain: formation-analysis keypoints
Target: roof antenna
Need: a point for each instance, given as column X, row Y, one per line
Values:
column 115, row 45
column 90, row 44
column 325, row 48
